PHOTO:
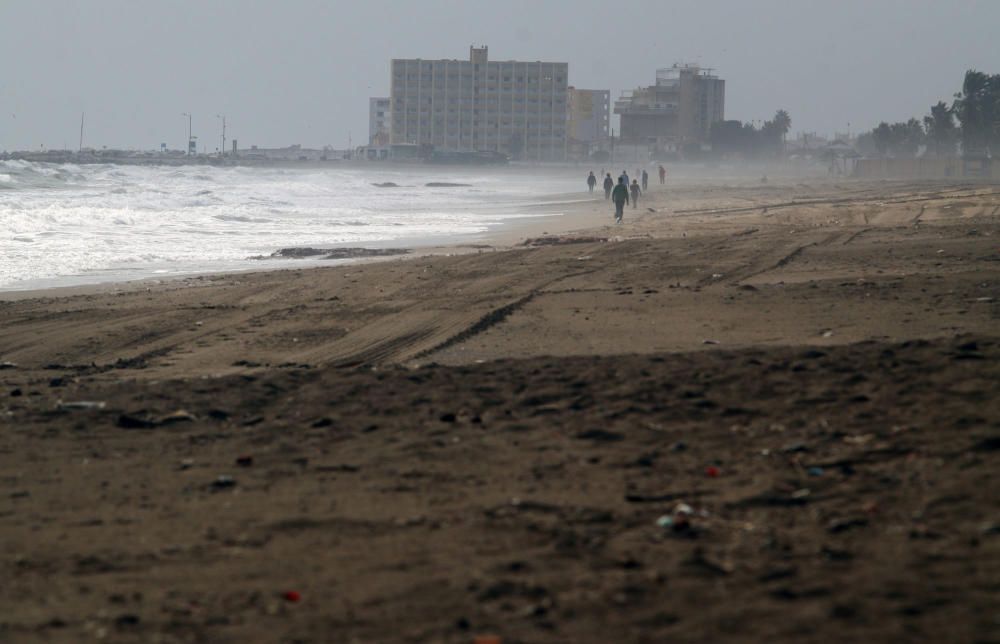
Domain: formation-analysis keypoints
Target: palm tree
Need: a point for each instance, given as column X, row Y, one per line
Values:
column 782, row 122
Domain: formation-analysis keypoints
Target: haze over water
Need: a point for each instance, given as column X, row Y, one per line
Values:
column 70, row 224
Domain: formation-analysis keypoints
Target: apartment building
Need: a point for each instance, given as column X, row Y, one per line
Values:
column 513, row 107
column 379, row 120
column 678, row 110
column 589, row 115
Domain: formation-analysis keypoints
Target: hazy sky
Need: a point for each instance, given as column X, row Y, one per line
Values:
column 301, row 71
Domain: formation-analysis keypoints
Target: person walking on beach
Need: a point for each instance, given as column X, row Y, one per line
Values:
column 624, row 177
column 645, row 181
column 620, row 197
column 663, row 175
column 591, row 181
column 636, row 191
column 609, row 183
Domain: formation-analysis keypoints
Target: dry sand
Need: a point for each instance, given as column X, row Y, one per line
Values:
column 482, row 441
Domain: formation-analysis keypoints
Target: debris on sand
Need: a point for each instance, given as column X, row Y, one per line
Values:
column 333, row 253
column 562, row 240
column 223, row 482
column 79, row 405
column 144, row 419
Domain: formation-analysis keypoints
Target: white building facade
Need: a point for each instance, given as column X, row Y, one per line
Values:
column 379, row 120
column 516, row 108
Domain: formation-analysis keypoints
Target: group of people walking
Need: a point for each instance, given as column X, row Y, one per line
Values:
column 623, row 192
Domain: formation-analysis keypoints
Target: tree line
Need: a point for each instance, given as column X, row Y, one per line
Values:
column 748, row 140
column 972, row 119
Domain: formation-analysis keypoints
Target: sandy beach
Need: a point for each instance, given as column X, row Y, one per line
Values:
column 754, row 411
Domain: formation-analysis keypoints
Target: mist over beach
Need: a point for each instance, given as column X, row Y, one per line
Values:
column 499, row 323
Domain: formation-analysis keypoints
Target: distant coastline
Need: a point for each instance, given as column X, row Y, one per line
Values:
column 125, row 157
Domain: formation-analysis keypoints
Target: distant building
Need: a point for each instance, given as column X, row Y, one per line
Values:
column 589, row 115
column 379, row 120
column 516, row 108
column 678, row 110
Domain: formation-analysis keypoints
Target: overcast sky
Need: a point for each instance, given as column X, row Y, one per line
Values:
column 301, row 71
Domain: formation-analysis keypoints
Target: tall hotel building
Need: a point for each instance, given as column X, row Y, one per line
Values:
column 516, row 108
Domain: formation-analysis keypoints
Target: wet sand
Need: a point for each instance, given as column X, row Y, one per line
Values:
column 750, row 412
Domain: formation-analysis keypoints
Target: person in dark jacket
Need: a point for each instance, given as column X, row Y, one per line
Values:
column 635, row 192
column 645, row 181
column 609, row 183
column 591, row 181
column 620, row 197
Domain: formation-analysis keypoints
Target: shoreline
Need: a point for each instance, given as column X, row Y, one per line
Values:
column 753, row 222
column 507, row 233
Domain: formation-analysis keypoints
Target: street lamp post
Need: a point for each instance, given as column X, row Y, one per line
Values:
column 189, row 132
column 222, row 150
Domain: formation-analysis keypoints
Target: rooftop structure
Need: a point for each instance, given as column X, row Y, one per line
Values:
column 679, row 109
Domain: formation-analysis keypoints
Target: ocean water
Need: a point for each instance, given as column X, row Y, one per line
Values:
column 77, row 224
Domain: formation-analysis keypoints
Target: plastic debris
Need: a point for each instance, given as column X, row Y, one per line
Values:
column 712, row 471
column 244, row 461
column 178, row 416
column 683, row 508
column 815, row 471
column 223, row 481
column 292, row 596
column 77, row 405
